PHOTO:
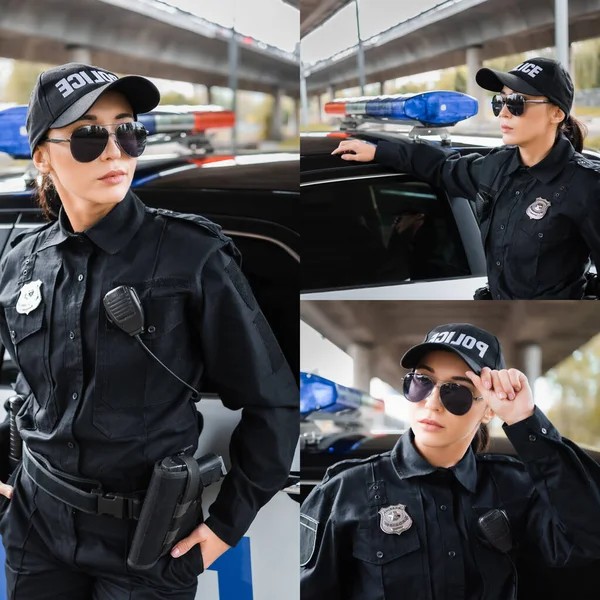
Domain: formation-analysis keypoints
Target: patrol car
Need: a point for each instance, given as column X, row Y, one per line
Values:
column 369, row 233
column 254, row 198
column 340, row 423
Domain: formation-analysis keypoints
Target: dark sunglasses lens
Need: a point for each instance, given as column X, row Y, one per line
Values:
column 515, row 104
column 456, row 398
column 497, row 103
column 417, row 387
column 88, row 143
column 132, row 138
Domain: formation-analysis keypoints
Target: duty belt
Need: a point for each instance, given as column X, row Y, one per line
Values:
column 94, row 502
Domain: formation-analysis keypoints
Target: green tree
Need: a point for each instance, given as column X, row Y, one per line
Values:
column 22, row 81
column 576, row 379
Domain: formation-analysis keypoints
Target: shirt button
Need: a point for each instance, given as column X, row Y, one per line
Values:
column 375, row 487
column 13, row 335
column 517, row 193
column 540, row 235
column 377, row 496
column 532, row 438
column 502, row 227
column 544, row 430
column 380, row 554
column 498, row 263
column 27, row 261
column 443, row 507
column 451, row 554
column 71, row 335
column 75, row 396
column 152, row 329
column 80, row 278
column 24, row 271
column 71, row 445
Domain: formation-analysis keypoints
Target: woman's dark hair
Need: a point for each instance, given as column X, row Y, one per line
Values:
column 47, row 197
column 481, row 441
column 575, row 131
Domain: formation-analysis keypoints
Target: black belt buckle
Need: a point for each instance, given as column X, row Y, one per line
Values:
column 112, row 505
column 120, row 507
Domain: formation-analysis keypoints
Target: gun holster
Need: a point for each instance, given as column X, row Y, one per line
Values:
column 172, row 507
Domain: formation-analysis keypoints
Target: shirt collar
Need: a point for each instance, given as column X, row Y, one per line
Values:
column 111, row 234
column 548, row 168
column 408, row 462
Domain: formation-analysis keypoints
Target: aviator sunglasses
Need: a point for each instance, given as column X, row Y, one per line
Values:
column 514, row 102
column 455, row 397
column 88, row 142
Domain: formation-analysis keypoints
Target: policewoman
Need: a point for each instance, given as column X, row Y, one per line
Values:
column 537, row 198
column 99, row 410
column 437, row 519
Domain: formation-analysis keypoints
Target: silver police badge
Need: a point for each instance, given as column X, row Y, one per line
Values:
column 538, row 209
column 30, row 297
column 395, row 519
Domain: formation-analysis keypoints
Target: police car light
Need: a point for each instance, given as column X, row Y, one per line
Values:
column 318, row 393
column 175, row 120
column 188, row 119
column 13, row 135
column 435, row 108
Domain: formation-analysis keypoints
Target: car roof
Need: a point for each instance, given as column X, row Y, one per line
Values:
column 324, row 142
column 264, row 171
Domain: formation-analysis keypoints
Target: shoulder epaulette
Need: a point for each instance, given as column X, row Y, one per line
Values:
column 206, row 224
column 586, row 163
column 344, row 465
column 489, row 457
column 29, row 232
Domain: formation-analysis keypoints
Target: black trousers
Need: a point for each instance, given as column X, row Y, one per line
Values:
column 56, row 553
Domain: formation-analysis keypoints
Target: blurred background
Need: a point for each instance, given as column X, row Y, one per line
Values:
column 227, row 53
column 353, row 48
column 359, row 344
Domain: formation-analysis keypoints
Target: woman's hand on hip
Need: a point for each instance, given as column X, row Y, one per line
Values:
column 6, row 490
column 210, row 545
column 356, row 150
column 507, row 392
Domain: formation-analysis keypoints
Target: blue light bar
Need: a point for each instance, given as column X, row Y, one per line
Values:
column 318, row 393
column 436, row 108
column 163, row 119
column 13, row 135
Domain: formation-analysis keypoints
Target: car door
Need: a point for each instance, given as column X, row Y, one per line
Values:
column 385, row 235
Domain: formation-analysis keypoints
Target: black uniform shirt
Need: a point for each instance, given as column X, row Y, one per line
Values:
column 551, row 498
column 100, row 407
column 527, row 257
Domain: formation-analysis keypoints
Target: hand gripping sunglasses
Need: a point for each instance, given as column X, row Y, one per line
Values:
column 88, row 142
column 514, row 102
column 455, row 397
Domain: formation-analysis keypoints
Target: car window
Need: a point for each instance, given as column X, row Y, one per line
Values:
column 374, row 231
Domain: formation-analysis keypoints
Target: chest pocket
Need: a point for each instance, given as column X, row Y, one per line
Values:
column 136, row 394
column 31, row 335
column 389, row 561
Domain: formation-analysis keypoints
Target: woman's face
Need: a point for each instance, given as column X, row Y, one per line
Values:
column 537, row 121
column 87, row 181
column 444, row 367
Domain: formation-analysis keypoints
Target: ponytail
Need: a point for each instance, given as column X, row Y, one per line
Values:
column 575, row 131
column 481, row 441
column 47, row 197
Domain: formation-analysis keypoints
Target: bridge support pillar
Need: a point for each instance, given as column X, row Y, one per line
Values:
column 362, row 366
column 474, row 63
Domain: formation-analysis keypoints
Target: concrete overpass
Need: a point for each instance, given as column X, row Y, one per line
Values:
column 454, row 33
column 145, row 37
column 535, row 336
column 315, row 12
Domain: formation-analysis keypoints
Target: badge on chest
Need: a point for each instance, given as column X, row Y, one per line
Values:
column 395, row 519
column 30, row 297
column 538, row 209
